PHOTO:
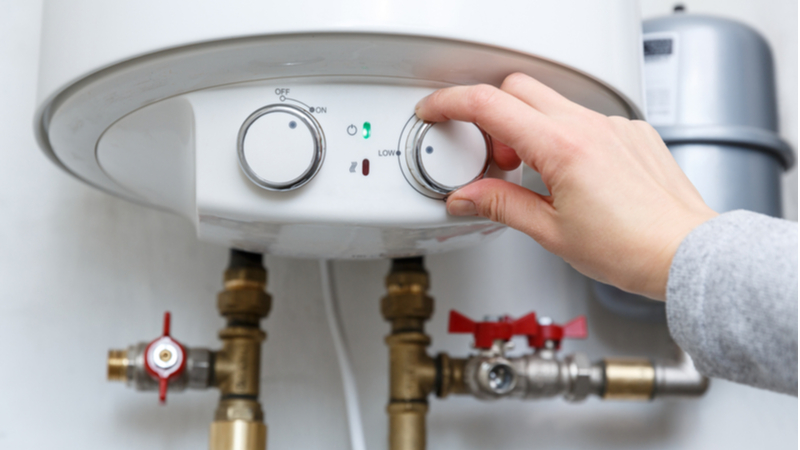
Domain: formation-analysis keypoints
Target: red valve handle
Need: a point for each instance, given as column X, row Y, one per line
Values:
column 164, row 359
column 487, row 332
column 574, row 329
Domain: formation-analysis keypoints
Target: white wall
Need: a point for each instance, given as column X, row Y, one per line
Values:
column 81, row 272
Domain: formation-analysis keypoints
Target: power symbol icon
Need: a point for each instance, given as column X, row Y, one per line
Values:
column 352, row 130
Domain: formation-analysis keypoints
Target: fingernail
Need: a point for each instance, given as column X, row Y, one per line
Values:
column 419, row 104
column 462, row 208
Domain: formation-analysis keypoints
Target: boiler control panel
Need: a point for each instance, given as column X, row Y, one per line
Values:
column 294, row 133
column 281, row 147
column 321, row 167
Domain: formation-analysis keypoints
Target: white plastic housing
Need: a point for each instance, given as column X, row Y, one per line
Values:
column 145, row 100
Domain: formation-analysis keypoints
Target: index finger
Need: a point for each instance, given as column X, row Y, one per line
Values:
column 501, row 115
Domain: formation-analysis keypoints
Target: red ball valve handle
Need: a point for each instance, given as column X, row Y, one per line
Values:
column 574, row 329
column 487, row 332
column 164, row 359
column 538, row 334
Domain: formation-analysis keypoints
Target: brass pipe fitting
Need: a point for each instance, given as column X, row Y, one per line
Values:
column 236, row 366
column 412, row 373
column 234, row 369
column 118, row 365
column 450, row 373
column 239, row 420
column 238, row 425
column 641, row 379
column 629, row 379
column 238, row 435
column 407, row 425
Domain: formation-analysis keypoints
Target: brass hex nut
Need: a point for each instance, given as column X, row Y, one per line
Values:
column 407, row 296
column 254, row 302
column 414, row 281
column 245, row 275
column 395, row 306
column 580, row 371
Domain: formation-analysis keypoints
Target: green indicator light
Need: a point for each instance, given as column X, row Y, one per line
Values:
column 367, row 130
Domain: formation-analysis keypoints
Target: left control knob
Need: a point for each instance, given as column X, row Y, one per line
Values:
column 281, row 147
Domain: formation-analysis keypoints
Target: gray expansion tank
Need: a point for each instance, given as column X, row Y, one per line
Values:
column 710, row 92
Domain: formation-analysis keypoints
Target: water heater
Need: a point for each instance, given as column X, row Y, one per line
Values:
column 289, row 127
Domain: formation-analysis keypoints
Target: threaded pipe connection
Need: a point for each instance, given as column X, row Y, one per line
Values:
column 117, row 365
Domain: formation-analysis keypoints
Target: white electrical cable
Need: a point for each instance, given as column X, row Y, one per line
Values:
column 343, row 356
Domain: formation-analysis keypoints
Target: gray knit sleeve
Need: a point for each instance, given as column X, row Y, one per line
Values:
column 732, row 299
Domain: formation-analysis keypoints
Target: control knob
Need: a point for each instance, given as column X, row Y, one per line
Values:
column 445, row 156
column 281, row 147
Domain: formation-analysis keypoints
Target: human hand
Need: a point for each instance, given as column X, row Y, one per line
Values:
column 619, row 205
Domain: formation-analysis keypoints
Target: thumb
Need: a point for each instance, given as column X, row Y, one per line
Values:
column 506, row 203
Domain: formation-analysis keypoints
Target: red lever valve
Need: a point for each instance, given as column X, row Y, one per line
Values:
column 504, row 329
column 165, row 359
column 487, row 332
column 574, row 329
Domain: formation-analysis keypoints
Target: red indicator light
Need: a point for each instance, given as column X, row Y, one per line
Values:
column 365, row 167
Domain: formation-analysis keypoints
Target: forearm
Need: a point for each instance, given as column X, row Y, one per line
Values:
column 732, row 299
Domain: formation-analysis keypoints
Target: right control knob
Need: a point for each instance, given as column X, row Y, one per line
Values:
column 445, row 156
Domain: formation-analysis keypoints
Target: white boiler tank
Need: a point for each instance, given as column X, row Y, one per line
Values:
column 289, row 127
